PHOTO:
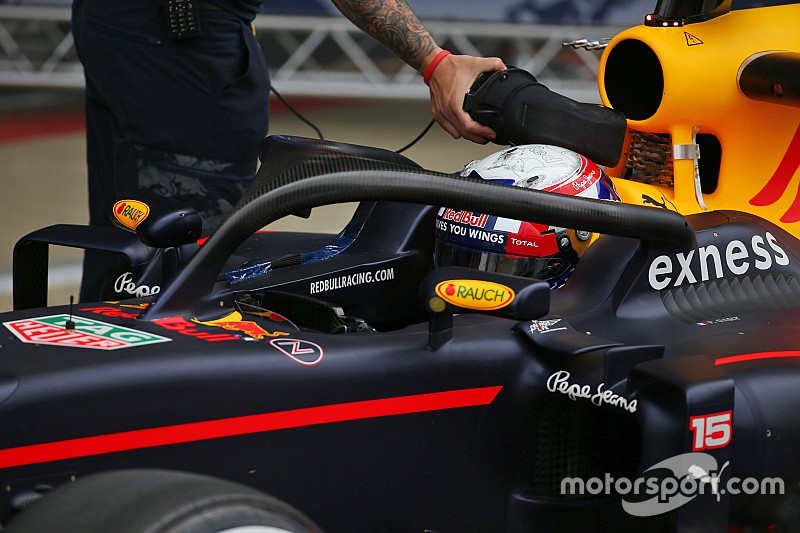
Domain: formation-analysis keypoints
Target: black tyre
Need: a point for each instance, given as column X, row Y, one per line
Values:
column 158, row 501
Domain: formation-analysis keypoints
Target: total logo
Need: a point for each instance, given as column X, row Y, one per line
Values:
column 130, row 213
column 475, row 294
column 710, row 262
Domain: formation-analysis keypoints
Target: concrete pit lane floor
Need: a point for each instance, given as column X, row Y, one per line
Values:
column 43, row 169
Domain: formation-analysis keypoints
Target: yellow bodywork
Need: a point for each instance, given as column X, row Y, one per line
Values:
column 760, row 141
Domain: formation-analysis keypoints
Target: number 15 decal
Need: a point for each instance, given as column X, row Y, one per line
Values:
column 711, row 431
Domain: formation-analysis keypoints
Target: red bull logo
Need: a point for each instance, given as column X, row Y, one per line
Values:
column 235, row 322
column 469, row 218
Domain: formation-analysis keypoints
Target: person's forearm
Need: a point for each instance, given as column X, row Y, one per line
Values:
column 393, row 24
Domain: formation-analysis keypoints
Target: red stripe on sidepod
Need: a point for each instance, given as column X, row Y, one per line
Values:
column 244, row 425
column 755, row 357
column 777, row 184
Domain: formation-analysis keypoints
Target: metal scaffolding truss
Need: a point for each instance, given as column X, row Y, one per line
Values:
column 36, row 48
column 321, row 56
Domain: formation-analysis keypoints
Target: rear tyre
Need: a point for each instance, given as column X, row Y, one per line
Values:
column 158, row 501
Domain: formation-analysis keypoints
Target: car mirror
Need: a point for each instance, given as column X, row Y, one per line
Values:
column 454, row 290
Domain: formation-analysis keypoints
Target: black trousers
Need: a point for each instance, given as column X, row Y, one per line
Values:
column 183, row 119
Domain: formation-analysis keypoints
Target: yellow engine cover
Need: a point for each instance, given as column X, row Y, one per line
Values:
column 700, row 64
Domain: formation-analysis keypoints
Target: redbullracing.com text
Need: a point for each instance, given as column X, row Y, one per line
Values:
column 342, row 282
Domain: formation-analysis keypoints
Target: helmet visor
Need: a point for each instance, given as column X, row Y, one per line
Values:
column 550, row 269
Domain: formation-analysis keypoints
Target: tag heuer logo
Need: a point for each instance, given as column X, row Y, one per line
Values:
column 88, row 333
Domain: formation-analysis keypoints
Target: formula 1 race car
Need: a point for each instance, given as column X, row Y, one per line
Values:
column 287, row 381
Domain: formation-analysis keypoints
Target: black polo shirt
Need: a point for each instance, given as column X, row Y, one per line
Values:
column 246, row 9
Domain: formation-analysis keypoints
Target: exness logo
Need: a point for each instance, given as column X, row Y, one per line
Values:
column 711, row 262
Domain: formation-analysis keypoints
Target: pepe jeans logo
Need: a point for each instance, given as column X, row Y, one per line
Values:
column 710, row 262
column 578, row 184
column 130, row 213
column 475, row 294
column 125, row 284
column 559, row 382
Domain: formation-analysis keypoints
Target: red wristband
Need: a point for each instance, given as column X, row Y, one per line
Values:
column 435, row 63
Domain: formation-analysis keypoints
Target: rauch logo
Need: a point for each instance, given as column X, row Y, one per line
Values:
column 130, row 213
column 475, row 294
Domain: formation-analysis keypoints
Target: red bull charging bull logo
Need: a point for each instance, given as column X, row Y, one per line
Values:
column 235, row 322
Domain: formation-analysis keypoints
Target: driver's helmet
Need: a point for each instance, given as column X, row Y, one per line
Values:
column 496, row 244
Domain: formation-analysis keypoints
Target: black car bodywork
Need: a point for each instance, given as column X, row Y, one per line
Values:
column 346, row 376
column 423, row 416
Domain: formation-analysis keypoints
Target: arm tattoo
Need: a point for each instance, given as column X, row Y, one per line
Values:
column 393, row 24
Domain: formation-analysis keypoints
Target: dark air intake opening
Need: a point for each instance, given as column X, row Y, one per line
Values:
column 634, row 81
